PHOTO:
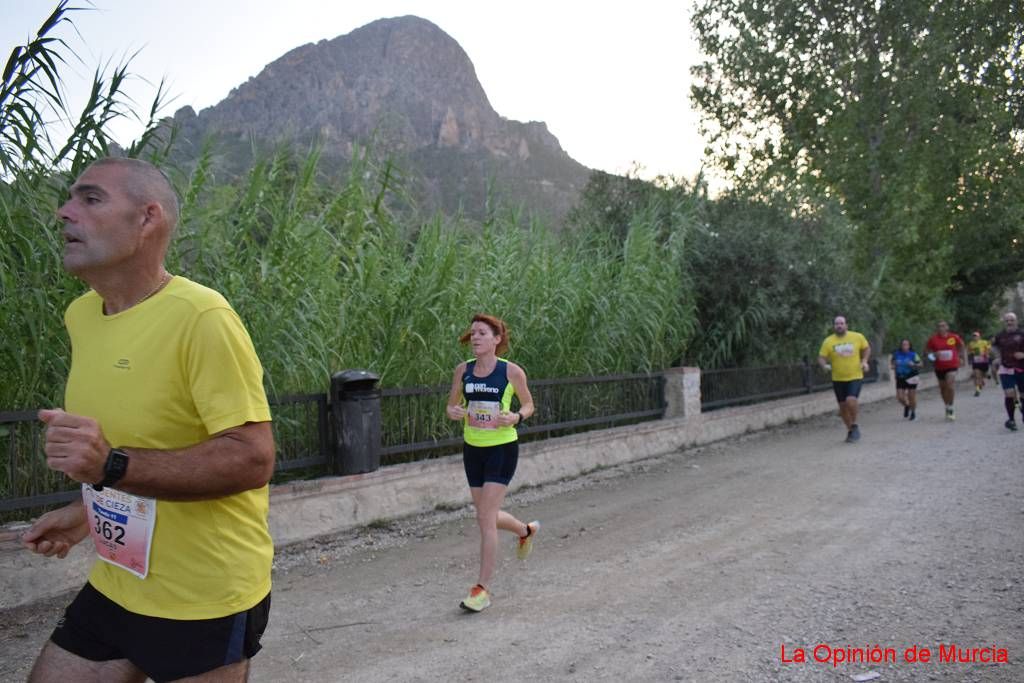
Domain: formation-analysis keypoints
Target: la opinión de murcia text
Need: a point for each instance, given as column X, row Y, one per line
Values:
column 836, row 655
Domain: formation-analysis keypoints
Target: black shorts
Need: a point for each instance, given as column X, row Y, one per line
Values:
column 845, row 390
column 490, row 463
column 981, row 366
column 903, row 383
column 96, row 628
column 941, row 374
column 1014, row 381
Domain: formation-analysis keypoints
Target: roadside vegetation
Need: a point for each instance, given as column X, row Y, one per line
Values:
column 327, row 275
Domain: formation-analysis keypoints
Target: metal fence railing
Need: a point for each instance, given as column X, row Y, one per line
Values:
column 25, row 480
column 302, row 431
column 413, row 427
column 742, row 386
column 414, row 420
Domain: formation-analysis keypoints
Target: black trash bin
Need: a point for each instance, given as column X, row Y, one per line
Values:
column 355, row 406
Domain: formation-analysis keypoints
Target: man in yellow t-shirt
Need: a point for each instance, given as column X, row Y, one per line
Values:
column 845, row 354
column 166, row 426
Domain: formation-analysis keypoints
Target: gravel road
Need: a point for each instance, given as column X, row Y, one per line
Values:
column 696, row 566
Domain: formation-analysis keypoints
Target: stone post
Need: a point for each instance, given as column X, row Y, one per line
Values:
column 682, row 393
column 884, row 373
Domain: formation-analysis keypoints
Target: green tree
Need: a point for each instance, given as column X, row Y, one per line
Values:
column 909, row 114
column 759, row 270
column 768, row 281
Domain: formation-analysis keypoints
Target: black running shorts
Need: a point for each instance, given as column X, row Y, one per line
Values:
column 845, row 390
column 1014, row 381
column 96, row 628
column 907, row 383
column 490, row 463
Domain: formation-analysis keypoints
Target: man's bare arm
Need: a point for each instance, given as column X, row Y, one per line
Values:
column 57, row 531
column 234, row 460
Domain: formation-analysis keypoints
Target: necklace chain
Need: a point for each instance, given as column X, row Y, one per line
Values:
column 164, row 279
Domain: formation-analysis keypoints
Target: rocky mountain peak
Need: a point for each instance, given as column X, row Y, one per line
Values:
column 409, row 86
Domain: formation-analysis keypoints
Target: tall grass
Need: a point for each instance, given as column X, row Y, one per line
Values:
column 329, row 278
column 325, row 275
column 43, row 144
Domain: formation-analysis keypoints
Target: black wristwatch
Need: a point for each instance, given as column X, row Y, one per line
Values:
column 521, row 418
column 114, row 469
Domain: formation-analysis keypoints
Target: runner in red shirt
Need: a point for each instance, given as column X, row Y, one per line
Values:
column 946, row 350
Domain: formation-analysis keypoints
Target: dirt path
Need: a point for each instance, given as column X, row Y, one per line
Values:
column 694, row 567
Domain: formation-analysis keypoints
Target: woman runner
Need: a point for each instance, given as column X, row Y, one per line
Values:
column 481, row 396
column 906, row 365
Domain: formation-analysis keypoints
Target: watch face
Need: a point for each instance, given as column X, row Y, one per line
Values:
column 117, row 465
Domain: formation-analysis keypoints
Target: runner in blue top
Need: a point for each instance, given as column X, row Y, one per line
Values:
column 906, row 366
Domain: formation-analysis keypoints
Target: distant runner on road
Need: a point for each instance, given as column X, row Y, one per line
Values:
column 906, row 366
column 481, row 396
column 1009, row 344
column 978, row 349
column 946, row 350
column 846, row 353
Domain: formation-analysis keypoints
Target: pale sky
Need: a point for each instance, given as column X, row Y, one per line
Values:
column 611, row 80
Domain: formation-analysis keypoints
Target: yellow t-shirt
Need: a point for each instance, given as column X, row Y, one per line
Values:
column 165, row 374
column 844, row 355
column 979, row 350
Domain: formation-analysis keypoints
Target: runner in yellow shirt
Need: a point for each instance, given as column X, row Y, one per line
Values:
column 165, row 424
column 845, row 354
column 978, row 349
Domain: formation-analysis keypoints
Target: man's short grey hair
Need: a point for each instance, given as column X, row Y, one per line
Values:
column 147, row 183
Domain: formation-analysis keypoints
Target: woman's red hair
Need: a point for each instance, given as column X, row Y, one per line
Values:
column 498, row 327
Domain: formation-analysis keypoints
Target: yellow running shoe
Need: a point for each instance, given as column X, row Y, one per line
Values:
column 477, row 600
column 525, row 545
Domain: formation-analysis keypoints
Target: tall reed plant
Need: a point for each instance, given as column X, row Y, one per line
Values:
column 329, row 278
column 43, row 144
